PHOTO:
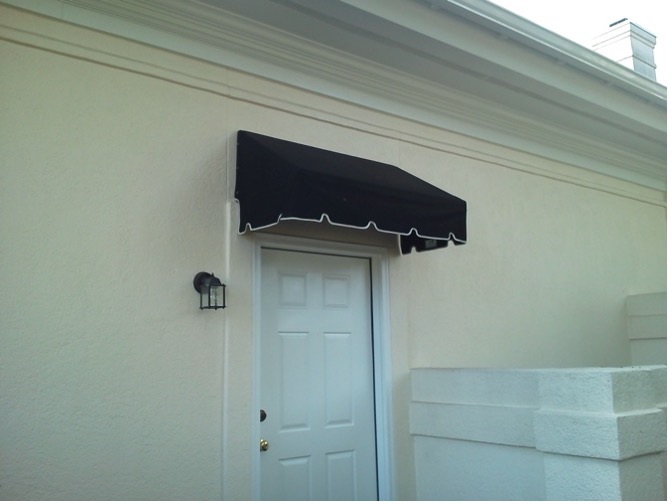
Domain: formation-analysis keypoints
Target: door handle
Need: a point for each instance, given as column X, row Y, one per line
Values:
column 263, row 445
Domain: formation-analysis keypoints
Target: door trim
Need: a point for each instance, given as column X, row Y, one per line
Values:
column 382, row 354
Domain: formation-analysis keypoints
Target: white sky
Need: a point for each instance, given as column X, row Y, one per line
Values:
column 582, row 20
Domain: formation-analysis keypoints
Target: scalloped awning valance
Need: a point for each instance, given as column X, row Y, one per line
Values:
column 279, row 180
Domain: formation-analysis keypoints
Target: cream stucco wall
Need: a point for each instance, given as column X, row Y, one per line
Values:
column 111, row 381
column 544, row 275
column 116, row 188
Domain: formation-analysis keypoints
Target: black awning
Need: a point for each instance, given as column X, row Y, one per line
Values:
column 279, row 180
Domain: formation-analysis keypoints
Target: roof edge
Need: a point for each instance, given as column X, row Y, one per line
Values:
column 512, row 26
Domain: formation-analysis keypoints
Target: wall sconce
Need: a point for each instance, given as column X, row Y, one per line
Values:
column 211, row 290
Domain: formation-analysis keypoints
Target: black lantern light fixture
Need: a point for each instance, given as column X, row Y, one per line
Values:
column 211, row 290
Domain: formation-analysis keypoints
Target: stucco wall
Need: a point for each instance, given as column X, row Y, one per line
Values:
column 550, row 434
column 116, row 188
column 647, row 328
column 112, row 187
column 544, row 274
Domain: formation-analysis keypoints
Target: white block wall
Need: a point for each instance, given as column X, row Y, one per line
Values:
column 558, row 434
column 474, row 434
column 646, row 318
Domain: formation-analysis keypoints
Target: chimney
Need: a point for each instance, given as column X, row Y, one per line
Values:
column 630, row 45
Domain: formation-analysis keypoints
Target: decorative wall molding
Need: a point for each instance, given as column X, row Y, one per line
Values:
column 200, row 30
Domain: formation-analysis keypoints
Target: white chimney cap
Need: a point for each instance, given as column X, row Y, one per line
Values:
column 629, row 44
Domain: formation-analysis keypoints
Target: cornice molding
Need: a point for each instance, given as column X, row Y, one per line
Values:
column 564, row 51
column 201, row 30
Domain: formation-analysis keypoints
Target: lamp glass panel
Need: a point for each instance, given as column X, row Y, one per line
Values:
column 217, row 295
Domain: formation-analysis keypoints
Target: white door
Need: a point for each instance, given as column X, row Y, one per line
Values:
column 317, row 384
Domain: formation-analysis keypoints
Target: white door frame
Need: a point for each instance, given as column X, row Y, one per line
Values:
column 382, row 355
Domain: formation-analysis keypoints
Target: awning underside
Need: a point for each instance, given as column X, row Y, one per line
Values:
column 279, row 180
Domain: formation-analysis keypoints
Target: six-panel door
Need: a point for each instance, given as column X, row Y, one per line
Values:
column 317, row 377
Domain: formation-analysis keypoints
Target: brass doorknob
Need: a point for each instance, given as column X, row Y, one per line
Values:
column 263, row 445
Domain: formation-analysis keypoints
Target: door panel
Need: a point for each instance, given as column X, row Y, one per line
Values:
column 317, row 377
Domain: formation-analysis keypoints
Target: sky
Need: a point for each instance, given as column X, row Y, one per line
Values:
column 583, row 20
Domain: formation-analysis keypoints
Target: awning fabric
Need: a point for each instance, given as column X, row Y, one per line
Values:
column 278, row 180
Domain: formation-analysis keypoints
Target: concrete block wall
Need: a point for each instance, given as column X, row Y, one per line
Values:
column 602, row 432
column 557, row 434
column 646, row 319
column 474, row 434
